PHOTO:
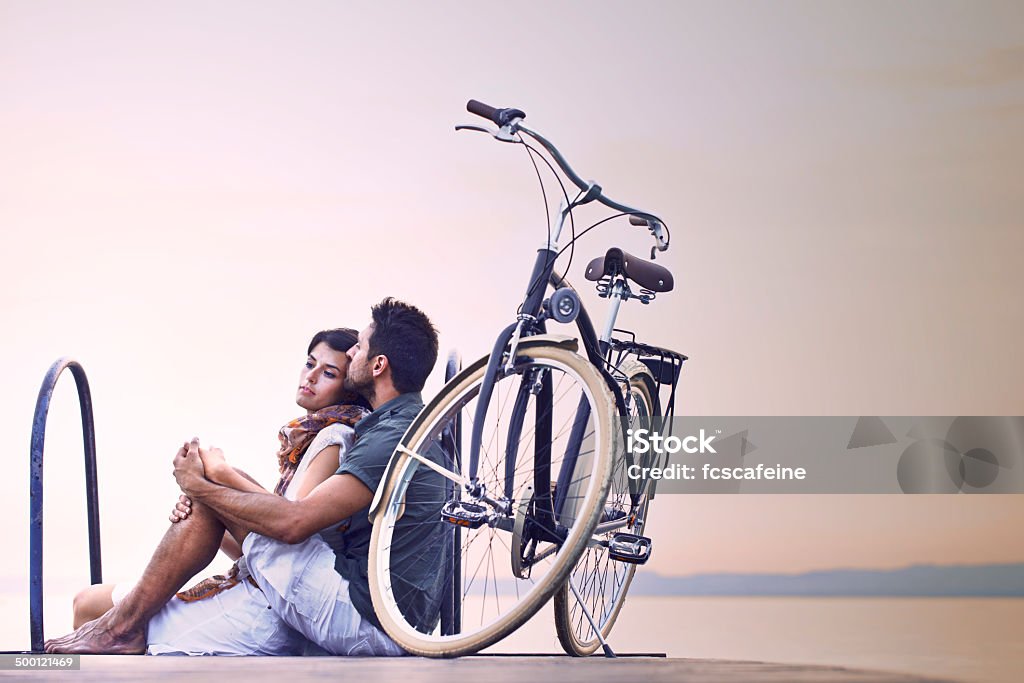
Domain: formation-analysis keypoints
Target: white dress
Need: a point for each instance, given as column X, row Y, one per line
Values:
column 239, row 620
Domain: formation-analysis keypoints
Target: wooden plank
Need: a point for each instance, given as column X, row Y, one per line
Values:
column 492, row 669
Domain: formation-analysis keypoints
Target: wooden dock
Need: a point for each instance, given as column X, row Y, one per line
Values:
column 492, row 669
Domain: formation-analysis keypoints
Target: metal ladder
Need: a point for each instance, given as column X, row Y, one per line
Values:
column 36, row 490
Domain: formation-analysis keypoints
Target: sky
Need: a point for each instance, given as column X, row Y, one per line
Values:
column 189, row 191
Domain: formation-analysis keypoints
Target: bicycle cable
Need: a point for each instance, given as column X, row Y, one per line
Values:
column 543, row 191
column 572, row 242
column 532, row 151
column 591, row 227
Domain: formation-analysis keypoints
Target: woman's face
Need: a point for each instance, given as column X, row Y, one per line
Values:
column 322, row 378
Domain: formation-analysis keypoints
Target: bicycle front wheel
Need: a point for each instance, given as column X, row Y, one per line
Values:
column 602, row 582
column 544, row 465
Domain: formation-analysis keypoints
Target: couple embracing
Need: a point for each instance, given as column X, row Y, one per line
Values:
column 299, row 584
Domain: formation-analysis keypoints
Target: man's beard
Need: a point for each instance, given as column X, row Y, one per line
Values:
column 364, row 388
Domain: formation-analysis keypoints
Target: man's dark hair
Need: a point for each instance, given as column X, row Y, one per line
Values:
column 406, row 336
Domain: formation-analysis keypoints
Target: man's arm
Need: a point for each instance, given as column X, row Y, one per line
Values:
column 336, row 499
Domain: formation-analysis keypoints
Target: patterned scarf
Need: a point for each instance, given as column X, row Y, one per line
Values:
column 299, row 433
column 295, row 437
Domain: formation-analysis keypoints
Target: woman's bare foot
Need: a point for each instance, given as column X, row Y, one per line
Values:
column 100, row 636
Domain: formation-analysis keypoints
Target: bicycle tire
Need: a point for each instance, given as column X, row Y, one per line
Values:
column 572, row 378
column 601, row 581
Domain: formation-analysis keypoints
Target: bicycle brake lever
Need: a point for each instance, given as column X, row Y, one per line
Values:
column 657, row 230
column 480, row 129
column 503, row 134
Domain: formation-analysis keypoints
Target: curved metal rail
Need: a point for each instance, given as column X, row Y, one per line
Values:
column 36, row 490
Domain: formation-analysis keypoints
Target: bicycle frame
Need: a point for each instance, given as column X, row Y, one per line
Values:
column 530, row 322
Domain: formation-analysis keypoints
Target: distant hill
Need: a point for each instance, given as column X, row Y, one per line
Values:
column 997, row 580
column 989, row 580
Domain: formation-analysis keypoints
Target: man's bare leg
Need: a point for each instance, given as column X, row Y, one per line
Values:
column 186, row 549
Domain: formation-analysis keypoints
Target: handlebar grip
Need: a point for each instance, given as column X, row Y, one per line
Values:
column 500, row 117
column 636, row 220
column 483, row 110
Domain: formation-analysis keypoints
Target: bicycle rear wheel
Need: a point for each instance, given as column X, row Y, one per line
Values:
column 504, row 569
column 601, row 581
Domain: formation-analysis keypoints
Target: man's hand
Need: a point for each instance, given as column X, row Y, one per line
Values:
column 182, row 509
column 188, row 466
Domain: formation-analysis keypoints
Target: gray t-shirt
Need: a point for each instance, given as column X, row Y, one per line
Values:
column 418, row 557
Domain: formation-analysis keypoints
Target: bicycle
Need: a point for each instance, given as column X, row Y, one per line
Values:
column 539, row 504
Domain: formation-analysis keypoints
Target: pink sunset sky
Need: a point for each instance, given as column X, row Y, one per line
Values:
column 188, row 191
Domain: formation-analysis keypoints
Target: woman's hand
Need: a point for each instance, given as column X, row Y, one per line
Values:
column 182, row 509
column 214, row 464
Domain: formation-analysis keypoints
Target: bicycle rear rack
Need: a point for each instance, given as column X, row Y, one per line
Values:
column 36, row 490
column 665, row 366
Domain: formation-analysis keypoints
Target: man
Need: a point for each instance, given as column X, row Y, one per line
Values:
column 317, row 583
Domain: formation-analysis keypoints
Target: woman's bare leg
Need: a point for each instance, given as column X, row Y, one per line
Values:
column 92, row 603
column 185, row 549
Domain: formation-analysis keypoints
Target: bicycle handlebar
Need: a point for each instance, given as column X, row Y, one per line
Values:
column 509, row 117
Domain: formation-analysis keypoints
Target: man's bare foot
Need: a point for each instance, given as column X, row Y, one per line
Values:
column 99, row 637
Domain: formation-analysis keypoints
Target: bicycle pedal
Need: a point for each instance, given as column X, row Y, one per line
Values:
column 464, row 514
column 629, row 548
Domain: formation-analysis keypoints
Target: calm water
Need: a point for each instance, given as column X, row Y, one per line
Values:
column 966, row 639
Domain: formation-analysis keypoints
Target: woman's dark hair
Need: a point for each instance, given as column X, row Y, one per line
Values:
column 340, row 339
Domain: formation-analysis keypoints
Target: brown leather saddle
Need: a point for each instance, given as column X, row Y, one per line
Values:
column 648, row 275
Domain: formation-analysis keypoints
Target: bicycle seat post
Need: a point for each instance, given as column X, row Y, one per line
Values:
column 619, row 293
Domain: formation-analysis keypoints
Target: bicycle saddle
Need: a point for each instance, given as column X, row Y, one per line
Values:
column 646, row 274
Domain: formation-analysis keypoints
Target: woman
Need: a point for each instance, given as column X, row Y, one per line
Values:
column 196, row 621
